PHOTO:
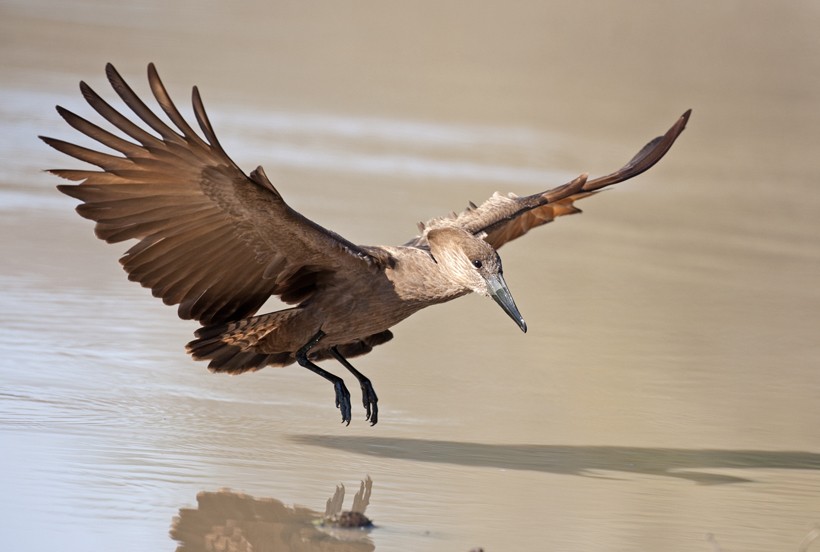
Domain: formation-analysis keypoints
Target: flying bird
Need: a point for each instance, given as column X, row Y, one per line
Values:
column 219, row 242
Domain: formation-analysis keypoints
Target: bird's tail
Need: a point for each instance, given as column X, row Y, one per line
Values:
column 232, row 347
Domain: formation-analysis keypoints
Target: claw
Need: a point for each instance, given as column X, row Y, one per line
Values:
column 370, row 402
column 343, row 401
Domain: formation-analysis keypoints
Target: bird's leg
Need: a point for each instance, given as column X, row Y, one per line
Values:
column 342, row 394
column 369, row 397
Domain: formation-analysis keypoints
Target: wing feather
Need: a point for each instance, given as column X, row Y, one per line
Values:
column 211, row 239
column 501, row 218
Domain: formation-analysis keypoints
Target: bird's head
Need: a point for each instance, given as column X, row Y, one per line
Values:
column 472, row 263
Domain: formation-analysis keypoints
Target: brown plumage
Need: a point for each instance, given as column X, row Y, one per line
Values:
column 219, row 243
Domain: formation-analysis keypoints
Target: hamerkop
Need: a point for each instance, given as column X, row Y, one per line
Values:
column 219, row 242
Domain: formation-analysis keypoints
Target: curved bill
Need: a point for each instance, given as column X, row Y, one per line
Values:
column 501, row 294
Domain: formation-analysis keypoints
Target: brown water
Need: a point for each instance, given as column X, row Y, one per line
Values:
column 667, row 388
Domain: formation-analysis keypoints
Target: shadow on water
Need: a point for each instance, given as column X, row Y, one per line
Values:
column 575, row 460
column 227, row 520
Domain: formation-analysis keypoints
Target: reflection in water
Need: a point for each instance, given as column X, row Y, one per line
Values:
column 229, row 521
column 346, row 519
column 575, row 460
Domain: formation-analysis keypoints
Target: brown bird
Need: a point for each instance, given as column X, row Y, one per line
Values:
column 218, row 243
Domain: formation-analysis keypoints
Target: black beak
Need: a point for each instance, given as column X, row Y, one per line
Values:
column 501, row 294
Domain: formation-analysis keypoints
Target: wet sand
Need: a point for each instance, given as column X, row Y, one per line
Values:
column 666, row 389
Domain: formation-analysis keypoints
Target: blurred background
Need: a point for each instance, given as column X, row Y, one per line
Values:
column 667, row 387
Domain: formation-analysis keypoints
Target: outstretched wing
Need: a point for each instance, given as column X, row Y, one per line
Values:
column 503, row 218
column 215, row 241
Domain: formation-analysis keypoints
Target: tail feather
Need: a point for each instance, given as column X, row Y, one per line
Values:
column 231, row 347
column 234, row 347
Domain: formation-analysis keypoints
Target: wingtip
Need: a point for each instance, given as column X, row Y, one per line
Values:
column 64, row 113
column 114, row 78
column 48, row 140
column 685, row 117
column 86, row 90
column 71, row 190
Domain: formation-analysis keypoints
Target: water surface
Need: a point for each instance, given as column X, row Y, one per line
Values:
column 667, row 387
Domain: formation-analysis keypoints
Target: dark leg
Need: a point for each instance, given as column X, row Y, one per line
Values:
column 369, row 397
column 342, row 394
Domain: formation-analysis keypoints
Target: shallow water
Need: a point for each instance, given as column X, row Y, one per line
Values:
column 667, row 387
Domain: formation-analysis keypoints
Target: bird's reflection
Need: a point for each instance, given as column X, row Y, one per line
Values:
column 229, row 521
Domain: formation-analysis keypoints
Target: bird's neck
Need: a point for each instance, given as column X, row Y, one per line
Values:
column 418, row 278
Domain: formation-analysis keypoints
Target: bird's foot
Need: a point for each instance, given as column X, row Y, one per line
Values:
column 371, row 402
column 343, row 401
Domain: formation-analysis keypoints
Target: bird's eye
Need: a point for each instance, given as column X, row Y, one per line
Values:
column 477, row 263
